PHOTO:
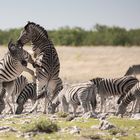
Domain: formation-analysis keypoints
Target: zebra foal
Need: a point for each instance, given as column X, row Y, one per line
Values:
column 113, row 87
column 133, row 95
column 83, row 94
column 47, row 63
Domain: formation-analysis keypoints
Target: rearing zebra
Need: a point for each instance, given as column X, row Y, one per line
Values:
column 113, row 87
column 11, row 66
column 47, row 62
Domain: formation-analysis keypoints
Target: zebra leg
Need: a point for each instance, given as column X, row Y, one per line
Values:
column 45, row 105
column 101, row 104
column 85, row 106
column 9, row 89
column 136, row 105
column 74, row 109
column 132, row 107
column 33, row 103
column 65, row 107
column 38, row 88
column 2, row 102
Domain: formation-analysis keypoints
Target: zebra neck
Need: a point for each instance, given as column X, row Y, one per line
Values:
column 11, row 59
column 40, row 45
column 130, row 97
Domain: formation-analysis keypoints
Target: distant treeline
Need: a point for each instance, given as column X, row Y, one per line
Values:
column 99, row 35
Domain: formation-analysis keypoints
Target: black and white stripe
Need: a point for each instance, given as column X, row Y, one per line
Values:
column 133, row 95
column 11, row 66
column 47, row 62
column 29, row 92
column 114, row 87
column 83, row 94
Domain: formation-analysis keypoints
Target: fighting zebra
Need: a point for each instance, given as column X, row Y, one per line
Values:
column 29, row 92
column 47, row 63
column 112, row 87
column 11, row 66
column 133, row 70
column 83, row 94
column 133, row 95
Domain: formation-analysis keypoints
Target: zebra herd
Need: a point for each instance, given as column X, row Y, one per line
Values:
column 48, row 85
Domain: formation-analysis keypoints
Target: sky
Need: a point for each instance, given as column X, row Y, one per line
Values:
column 53, row 14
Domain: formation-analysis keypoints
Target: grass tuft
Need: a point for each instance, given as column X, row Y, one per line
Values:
column 41, row 125
column 62, row 114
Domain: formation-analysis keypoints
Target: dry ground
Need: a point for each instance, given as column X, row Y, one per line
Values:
column 84, row 63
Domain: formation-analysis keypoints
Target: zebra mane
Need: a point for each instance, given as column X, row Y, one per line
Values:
column 37, row 26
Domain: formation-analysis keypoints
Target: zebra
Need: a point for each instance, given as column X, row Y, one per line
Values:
column 29, row 92
column 83, row 94
column 47, row 65
column 11, row 66
column 112, row 87
column 133, row 70
column 133, row 95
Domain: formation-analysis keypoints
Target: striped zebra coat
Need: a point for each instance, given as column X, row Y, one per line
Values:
column 133, row 95
column 11, row 66
column 83, row 94
column 29, row 92
column 47, row 63
column 20, row 83
column 113, row 87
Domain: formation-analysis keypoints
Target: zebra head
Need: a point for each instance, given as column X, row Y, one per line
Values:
column 121, row 110
column 26, row 34
column 17, row 53
column 96, row 81
column 19, row 109
column 31, row 32
column 51, row 108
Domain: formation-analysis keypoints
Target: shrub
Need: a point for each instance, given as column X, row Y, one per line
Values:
column 41, row 125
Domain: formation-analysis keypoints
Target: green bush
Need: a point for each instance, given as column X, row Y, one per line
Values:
column 62, row 114
column 98, row 35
